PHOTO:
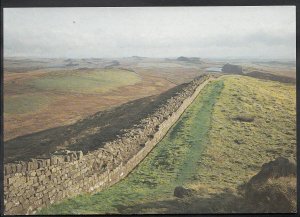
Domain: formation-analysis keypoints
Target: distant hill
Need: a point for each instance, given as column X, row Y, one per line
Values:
column 229, row 68
column 137, row 57
column 112, row 64
column 183, row 58
column 272, row 77
column 189, row 59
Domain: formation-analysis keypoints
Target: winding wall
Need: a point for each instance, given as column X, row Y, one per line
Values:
column 29, row 186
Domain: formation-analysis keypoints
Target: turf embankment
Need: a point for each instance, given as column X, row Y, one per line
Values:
column 235, row 125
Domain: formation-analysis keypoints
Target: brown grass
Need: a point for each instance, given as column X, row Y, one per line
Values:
column 67, row 108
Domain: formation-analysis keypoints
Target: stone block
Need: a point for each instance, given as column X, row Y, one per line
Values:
column 35, row 180
column 40, row 188
column 53, row 160
column 25, row 204
column 40, row 163
column 7, row 169
column 38, row 172
column 72, row 156
column 5, row 181
column 9, row 205
column 66, row 158
column 36, row 184
column 18, row 168
column 13, row 168
column 41, row 177
column 60, row 159
column 47, row 162
column 34, row 164
column 37, row 202
column 47, row 173
column 30, row 182
column 12, row 180
column 45, row 181
column 29, row 165
column 79, row 155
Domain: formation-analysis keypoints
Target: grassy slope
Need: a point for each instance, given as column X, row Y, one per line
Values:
column 83, row 82
column 238, row 149
column 25, row 103
column 41, row 109
column 208, row 154
column 170, row 164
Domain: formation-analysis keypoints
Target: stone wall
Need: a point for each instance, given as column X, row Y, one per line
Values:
column 29, row 186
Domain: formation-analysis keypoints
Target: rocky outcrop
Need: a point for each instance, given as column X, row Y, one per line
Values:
column 280, row 167
column 33, row 184
column 182, row 192
column 273, row 189
column 229, row 68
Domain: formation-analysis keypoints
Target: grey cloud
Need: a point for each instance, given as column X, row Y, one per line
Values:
column 157, row 32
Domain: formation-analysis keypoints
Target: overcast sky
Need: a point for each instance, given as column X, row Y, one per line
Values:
column 258, row 32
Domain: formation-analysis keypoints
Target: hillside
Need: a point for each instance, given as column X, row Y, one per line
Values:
column 88, row 133
column 235, row 125
column 43, row 93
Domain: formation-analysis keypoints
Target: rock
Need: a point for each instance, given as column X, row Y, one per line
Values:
column 280, row 167
column 273, row 189
column 61, row 152
column 182, row 192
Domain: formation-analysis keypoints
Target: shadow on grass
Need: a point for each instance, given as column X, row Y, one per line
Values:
column 225, row 202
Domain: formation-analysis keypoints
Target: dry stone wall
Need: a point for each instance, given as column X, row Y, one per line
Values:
column 29, row 186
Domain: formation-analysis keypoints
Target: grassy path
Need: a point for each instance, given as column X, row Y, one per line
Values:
column 172, row 162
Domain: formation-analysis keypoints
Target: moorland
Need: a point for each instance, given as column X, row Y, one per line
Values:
column 237, row 123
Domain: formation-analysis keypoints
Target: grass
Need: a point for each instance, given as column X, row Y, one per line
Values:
column 85, row 81
column 171, row 163
column 235, row 125
column 254, row 121
column 25, row 103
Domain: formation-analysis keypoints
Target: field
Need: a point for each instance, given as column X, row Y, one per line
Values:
column 43, row 93
column 85, row 81
column 42, row 100
column 87, row 134
column 40, row 94
column 235, row 125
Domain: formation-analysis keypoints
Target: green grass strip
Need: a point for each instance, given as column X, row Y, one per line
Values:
column 172, row 162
